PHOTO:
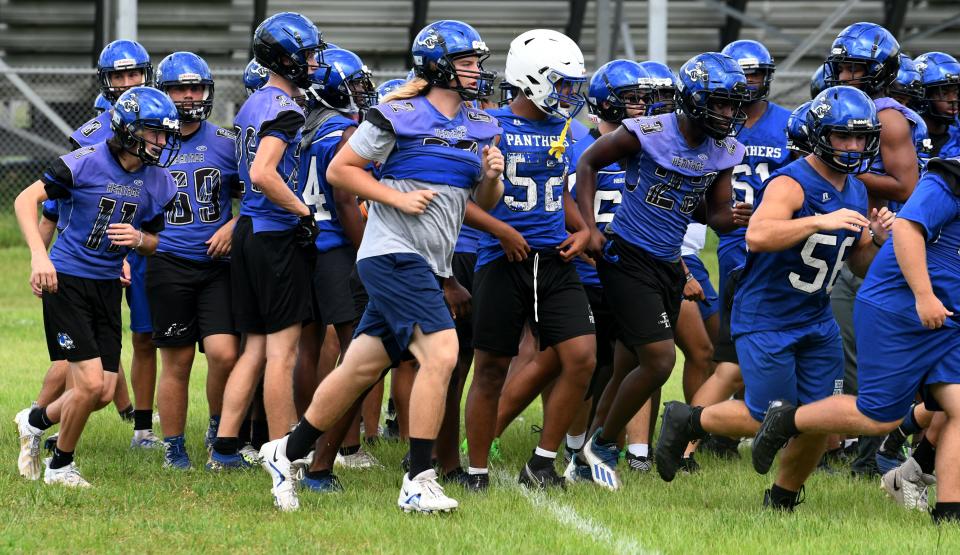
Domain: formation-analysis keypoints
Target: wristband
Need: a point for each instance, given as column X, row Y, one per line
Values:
column 689, row 276
column 140, row 243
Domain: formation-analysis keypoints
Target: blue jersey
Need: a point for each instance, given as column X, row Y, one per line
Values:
column 951, row 148
column 94, row 191
column 791, row 288
column 936, row 208
column 918, row 132
column 468, row 240
column 315, row 155
column 205, row 171
column 533, row 181
column 97, row 130
column 269, row 112
column 765, row 151
column 665, row 182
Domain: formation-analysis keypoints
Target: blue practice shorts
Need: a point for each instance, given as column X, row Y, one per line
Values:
column 800, row 365
column 140, row 321
column 897, row 357
column 404, row 292
column 711, row 301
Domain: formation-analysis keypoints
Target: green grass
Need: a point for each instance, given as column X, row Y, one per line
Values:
column 137, row 506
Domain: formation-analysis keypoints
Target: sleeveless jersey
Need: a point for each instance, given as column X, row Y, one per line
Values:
column 791, row 288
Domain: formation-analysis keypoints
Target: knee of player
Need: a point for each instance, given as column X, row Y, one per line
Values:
column 89, row 387
column 142, row 342
column 222, row 359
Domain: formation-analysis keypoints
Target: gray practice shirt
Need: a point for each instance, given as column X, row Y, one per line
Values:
column 433, row 234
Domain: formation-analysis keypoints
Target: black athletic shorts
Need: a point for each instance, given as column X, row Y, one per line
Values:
column 543, row 288
column 606, row 325
column 82, row 320
column 337, row 291
column 269, row 278
column 464, row 264
column 644, row 293
column 189, row 299
column 724, row 350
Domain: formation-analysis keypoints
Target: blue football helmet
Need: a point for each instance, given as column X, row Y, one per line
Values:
column 286, row 43
column 798, row 138
column 818, row 82
column 143, row 109
column 347, row 88
column 436, row 47
column 255, row 76
column 753, row 57
column 868, row 45
column 663, row 83
column 388, row 87
column 186, row 68
column 849, row 110
column 616, row 88
column 708, row 78
column 411, row 75
column 101, row 104
column 907, row 88
column 122, row 55
column 940, row 79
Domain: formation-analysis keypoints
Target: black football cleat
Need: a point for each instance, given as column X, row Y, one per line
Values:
column 542, row 478
column 773, row 435
column 675, row 435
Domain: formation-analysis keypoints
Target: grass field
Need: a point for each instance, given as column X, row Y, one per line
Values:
column 135, row 506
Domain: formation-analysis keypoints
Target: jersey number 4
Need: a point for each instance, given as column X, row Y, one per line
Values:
column 820, row 265
column 314, row 197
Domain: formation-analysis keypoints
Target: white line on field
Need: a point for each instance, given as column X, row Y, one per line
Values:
column 568, row 516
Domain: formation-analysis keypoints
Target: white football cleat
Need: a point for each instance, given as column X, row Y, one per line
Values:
column 68, row 476
column 275, row 462
column 360, row 459
column 145, row 439
column 907, row 485
column 423, row 494
column 28, row 463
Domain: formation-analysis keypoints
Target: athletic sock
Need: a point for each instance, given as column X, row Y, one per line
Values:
column 542, row 459
column 142, row 419
column 226, row 445
column 639, row 449
column 244, row 432
column 319, row 474
column 782, row 498
column 476, row 471
column 695, row 425
column 126, row 413
column 301, row 440
column 420, row 455
column 576, row 442
column 38, row 418
column 926, row 455
column 351, row 450
column 946, row 511
column 60, row 458
column 259, row 433
column 909, row 425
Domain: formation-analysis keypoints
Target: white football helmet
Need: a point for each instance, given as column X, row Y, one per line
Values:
column 548, row 68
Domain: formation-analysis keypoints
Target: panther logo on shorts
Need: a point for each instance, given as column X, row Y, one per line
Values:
column 664, row 320
column 65, row 341
column 175, row 330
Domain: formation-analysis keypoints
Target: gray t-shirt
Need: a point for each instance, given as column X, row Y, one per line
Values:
column 433, row 234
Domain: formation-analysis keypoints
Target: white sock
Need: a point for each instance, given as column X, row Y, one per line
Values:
column 576, row 442
column 544, row 453
column 639, row 449
column 474, row 471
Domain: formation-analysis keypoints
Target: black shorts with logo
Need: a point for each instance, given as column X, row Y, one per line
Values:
column 82, row 320
column 542, row 289
column 644, row 293
column 269, row 279
column 189, row 299
column 725, row 350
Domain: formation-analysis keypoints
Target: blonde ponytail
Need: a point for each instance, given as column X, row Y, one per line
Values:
column 414, row 87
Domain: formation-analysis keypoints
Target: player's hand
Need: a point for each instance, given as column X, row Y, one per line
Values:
column 574, row 244
column 513, row 244
column 219, row 244
column 931, row 311
column 306, row 231
column 881, row 222
column 692, row 290
column 125, row 278
column 124, row 235
column 492, row 163
column 847, row 219
column 43, row 276
column 595, row 245
column 741, row 213
column 415, row 203
column 457, row 297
